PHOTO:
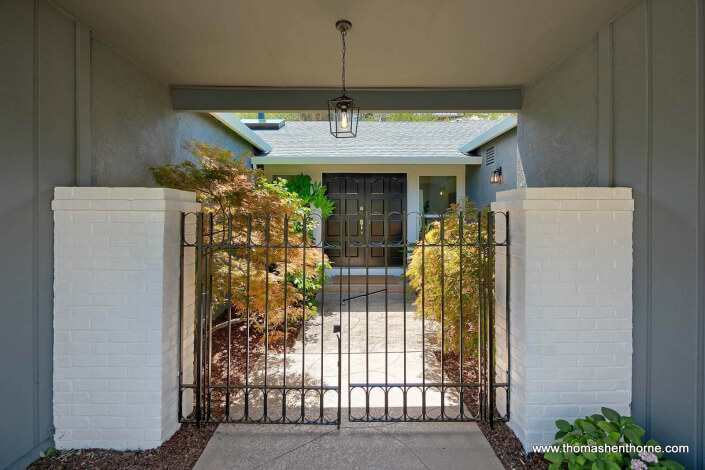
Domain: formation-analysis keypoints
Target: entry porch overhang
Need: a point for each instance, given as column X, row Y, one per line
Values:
column 366, row 160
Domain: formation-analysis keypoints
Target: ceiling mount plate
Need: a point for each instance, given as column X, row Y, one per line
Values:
column 343, row 26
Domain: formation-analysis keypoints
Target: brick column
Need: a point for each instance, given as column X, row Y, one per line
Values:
column 570, row 304
column 116, row 312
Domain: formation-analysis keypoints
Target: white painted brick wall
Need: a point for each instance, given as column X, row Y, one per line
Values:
column 116, row 300
column 570, row 305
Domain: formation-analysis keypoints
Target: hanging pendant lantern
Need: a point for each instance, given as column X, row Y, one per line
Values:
column 343, row 111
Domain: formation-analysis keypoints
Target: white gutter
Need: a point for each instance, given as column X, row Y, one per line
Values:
column 495, row 131
column 367, row 160
column 234, row 124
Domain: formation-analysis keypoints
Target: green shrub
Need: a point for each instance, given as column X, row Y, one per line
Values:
column 435, row 272
column 600, row 430
column 311, row 193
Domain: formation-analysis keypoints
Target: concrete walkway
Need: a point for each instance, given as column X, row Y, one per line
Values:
column 406, row 446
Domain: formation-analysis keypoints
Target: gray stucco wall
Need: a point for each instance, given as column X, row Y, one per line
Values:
column 134, row 126
column 44, row 134
column 477, row 177
column 647, row 71
column 558, row 123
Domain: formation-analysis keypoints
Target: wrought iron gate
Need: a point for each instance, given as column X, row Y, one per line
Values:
column 421, row 342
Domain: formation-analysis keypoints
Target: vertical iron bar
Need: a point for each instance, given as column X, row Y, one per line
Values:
column 341, row 254
column 461, row 325
column 507, row 311
column 340, row 376
column 490, row 312
column 303, row 327
column 480, row 320
column 286, row 312
column 267, row 241
column 347, row 247
column 246, row 416
column 366, row 235
column 198, row 312
column 181, row 315
column 403, row 278
column 386, row 314
column 229, row 221
column 443, row 317
column 209, row 325
column 323, row 305
column 423, row 315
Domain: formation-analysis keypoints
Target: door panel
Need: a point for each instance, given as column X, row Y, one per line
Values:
column 370, row 196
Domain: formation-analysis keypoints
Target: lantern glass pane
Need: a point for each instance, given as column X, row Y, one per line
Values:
column 343, row 115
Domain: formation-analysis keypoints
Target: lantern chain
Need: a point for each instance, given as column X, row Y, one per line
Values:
column 343, row 33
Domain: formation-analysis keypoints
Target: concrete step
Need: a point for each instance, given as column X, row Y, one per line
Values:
column 362, row 288
column 360, row 279
column 360, row 284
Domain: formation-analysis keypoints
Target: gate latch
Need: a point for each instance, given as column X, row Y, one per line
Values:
column 336, row 328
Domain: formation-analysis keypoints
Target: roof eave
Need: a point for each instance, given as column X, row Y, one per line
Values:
column 493, row 132
column 367, row 160
column 247, row 134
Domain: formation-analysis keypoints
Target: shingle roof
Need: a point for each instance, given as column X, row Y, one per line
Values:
column 374, row 139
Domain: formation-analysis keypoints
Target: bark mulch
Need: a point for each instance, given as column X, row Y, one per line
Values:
column 502, row 439
column 180, row 452
column 238, row 357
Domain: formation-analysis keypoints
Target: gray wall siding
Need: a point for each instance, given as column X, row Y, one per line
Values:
column 655, row 145
column 651, row 121
column 41, row 124
column 558, row 123
column 477, row 177
column 37, row 135
column 134, row 126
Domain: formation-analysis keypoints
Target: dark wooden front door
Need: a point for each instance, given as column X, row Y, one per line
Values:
column 373, row 223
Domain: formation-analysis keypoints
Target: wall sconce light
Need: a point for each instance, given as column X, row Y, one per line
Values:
column 496, row 176
column 442, row 191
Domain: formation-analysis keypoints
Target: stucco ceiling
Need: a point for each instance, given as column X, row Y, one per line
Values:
column 393, row 43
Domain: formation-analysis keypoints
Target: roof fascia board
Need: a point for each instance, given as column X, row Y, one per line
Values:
column 242, row 130
column 493, row 132
column 271, row 99
column 367, row 160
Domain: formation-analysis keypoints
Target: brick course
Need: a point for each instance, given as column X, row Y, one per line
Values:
column 570, row 304
column 116, row 281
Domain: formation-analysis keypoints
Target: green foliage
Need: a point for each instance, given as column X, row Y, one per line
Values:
column 48, row 453
column 310, row 193
column 315, row 281
column 435, row 272
column 606, row 429
column 323, row 116
column 252, row 211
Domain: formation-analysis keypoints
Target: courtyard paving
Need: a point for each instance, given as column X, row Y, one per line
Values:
column 411, row 446
column 374, row 324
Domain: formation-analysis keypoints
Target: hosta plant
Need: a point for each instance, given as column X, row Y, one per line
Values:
column 609, row 442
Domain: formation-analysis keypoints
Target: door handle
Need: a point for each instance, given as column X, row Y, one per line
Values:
column 362, row 225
